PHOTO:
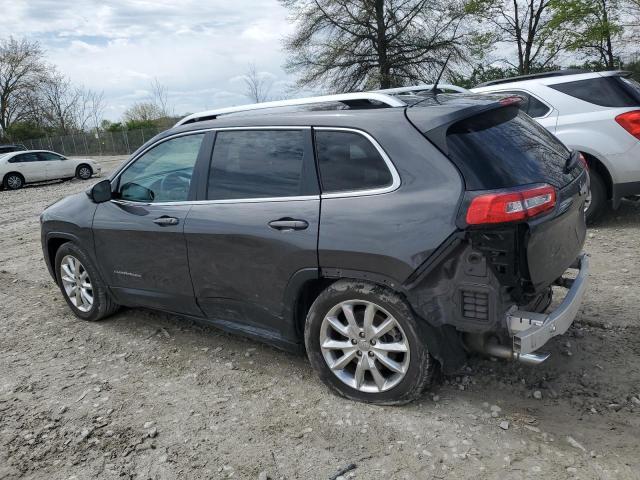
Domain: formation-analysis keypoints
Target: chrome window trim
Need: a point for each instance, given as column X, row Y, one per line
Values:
column 395, row 183
column 395, row 177
column 214, row 202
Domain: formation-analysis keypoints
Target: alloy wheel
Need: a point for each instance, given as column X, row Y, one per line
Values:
column 14, row 182
column 84, row 173
column 76, row 283
column 364, row 346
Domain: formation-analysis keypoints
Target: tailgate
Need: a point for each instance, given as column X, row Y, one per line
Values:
column 554, row 243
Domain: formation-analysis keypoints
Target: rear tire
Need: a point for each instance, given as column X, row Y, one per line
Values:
column 598, row 205
column 81, row 285
column 390, row 368
column 84, row 172
column 13, row 181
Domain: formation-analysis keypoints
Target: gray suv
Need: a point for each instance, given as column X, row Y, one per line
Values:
column 383, row 234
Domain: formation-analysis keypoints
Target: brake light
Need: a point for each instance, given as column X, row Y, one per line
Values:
column 511, row 206
column 512, row 100
column 630, row 121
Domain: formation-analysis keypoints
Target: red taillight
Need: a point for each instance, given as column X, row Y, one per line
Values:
column 511, row 206
column 512, row 100
column 630, row 121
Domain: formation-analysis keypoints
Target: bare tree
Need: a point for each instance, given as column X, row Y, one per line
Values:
column 142, row 112
column 60, row 104
column 257, row 84
column 525, row 24
column 347, row 45
column 21, row 68
column 95, row 105
column 160, row 98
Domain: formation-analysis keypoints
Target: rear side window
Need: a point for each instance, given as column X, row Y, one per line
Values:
column 257, row 164
column 603, row 91
column 505, row 148
column 25, row 157
column 530, row 104
column 349, row 162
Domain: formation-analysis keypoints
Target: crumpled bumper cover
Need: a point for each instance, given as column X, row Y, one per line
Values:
column 532, row 330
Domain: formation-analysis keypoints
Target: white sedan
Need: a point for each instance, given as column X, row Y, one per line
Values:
column 18, row 168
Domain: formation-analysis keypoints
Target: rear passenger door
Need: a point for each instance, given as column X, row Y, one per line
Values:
column 256, row 229
column 30, row 166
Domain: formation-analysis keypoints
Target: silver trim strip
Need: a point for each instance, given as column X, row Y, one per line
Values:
column 214, row 202
column 422, row 88
column 343, row 97
column 395, row 183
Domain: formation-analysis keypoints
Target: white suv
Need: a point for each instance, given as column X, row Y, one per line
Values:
column 597, row 114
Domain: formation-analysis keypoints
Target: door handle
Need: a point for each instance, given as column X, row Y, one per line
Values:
column 165, row 221
column 288, row 224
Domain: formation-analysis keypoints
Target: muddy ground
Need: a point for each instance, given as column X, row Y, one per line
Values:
column 149, row 395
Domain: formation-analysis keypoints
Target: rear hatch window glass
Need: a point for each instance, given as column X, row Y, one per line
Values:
column 504, row 148
column 615, row 92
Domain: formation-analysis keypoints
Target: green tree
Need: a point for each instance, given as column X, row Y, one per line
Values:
column 592, row 28
column 348, row 45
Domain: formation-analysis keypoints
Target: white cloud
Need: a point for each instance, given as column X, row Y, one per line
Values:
column 193, row 47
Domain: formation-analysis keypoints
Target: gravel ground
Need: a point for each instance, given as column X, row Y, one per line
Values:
column 149, row 395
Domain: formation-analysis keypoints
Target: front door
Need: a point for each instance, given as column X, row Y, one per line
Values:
column 56, row 165
column 139, row 239
column 257, row 229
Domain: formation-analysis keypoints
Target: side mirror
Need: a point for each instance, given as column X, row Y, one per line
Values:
column 100, row 192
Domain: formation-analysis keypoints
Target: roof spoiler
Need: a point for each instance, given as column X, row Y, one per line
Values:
column 435, row 128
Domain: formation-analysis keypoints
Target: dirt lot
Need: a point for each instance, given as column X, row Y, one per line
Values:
column 149, row 395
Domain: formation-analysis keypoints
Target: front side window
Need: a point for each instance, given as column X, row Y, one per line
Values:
column 257, row 164
column 162, row 174
column 349, row 162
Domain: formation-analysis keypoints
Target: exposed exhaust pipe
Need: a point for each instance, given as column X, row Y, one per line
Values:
column 481, row 344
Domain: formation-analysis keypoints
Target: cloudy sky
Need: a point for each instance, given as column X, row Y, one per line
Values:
column 197, row 48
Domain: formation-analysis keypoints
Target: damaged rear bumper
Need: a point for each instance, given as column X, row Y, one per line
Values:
column 531, row 330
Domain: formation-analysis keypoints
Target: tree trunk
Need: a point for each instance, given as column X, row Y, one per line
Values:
column 381, row 40
column 605, row 18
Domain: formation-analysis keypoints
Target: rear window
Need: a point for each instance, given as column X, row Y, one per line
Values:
column 505, row 148
column 603, row 91
column 349, row 162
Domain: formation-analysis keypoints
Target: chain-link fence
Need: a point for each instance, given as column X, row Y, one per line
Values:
column 123, row 142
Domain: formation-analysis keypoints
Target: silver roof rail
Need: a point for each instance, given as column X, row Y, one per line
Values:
column 422, row 88
column 346, row 98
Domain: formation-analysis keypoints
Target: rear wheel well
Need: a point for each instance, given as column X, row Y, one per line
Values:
column 599, row 167
column 306, row 296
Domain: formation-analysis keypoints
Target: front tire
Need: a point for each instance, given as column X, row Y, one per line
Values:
column 13, row 181
column 363, row 342
column 84, row 172
column 81, row 285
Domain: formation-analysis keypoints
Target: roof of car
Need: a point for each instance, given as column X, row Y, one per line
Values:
column 438, row 105
column 548, row 78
